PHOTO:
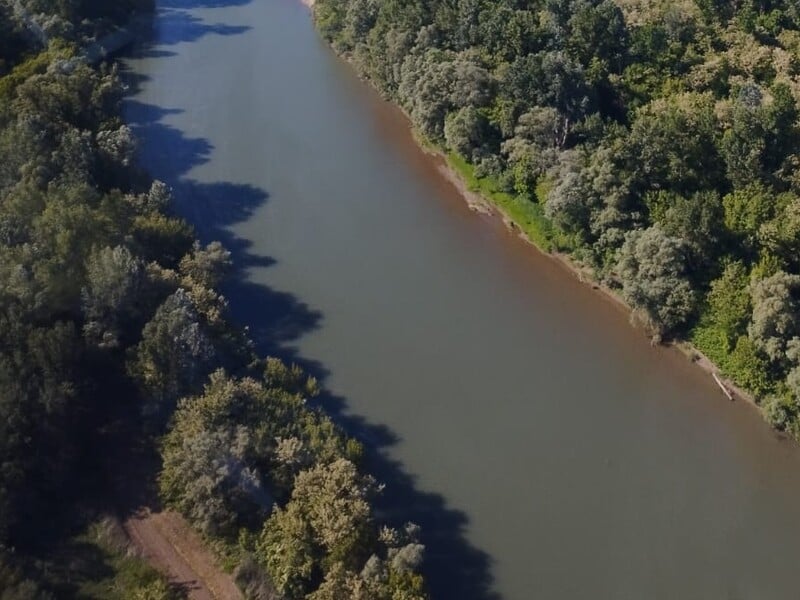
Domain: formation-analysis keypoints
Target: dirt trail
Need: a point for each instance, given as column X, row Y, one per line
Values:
column 169, row 544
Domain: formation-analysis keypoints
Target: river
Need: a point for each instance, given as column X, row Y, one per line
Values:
column 546, row 448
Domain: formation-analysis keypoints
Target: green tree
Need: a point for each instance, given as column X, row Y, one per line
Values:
column 652, row 267
column 776, row 314
column 743, row 145
column 729, row 301
column 326, row 523
column 747, row 209
column 114, row 278
column 672, row 144
column 436, row 83
column 781, row 235
column 206, row 266
column 465, row 131
column 175, row 354
column 698, row 220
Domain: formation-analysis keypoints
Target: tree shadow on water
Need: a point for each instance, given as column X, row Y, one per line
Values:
column 177, row 26
column 454, row 569
column 175, row 23
column 187, row 4
column 275, row 318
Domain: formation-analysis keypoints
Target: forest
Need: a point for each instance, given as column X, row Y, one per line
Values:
column 653, row 142
column 119, row 370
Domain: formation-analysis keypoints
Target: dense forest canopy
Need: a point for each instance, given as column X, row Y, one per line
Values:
column 654, row 141
column 114, row 345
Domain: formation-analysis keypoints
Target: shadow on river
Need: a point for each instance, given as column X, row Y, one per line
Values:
column 454, row 569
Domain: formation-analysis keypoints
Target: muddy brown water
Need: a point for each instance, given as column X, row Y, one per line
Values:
column 547, row 449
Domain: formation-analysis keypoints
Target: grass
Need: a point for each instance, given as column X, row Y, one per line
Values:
column 739, row 361
column 98, row 564
column 713, row 343
column 528, row 216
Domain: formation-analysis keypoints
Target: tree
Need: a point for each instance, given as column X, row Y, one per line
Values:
column 747, row 209
column 597, row 32
column 543, row 127
column 175, row 354
column 207, row 266
column 436, row 83
column 117, row 145
column 672, row 145
column 793, row 377
column 550, row 79
column 335, row 500
column 776, row 315
column 326, row 523
column 465, row 131
column 781, row 235
column 114, row 278
column 743, row 145
column 697, row 219
column 39, row 433
column 359, row 19
column 782, row 121
column 652, row 268
column 572, row 200
column 749, row 367
column 592, row 199
column 207, row 478
column 286, row 549
column 729, row 301
column 340, row 583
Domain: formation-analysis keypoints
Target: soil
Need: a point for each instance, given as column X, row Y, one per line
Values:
column 170, row 545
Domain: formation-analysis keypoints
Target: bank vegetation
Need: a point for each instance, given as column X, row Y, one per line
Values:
column 119, row 369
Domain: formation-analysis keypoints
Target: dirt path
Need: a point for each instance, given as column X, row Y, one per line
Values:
column 169, row 544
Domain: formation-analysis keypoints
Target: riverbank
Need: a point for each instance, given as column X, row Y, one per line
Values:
column 486, row 204
column 526, row 219
column 528, row 222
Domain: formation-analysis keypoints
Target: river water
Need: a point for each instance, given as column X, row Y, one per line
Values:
column 546, row 448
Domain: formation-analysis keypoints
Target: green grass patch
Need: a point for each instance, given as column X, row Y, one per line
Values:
column 740, row 361
column 712, row 342
column 528, row 216
column 98, row 564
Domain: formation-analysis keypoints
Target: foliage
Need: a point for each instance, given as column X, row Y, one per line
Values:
column 775, row 324
column 126, row 575
column 113, row 332
column 652, row 267
column 249, row 457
